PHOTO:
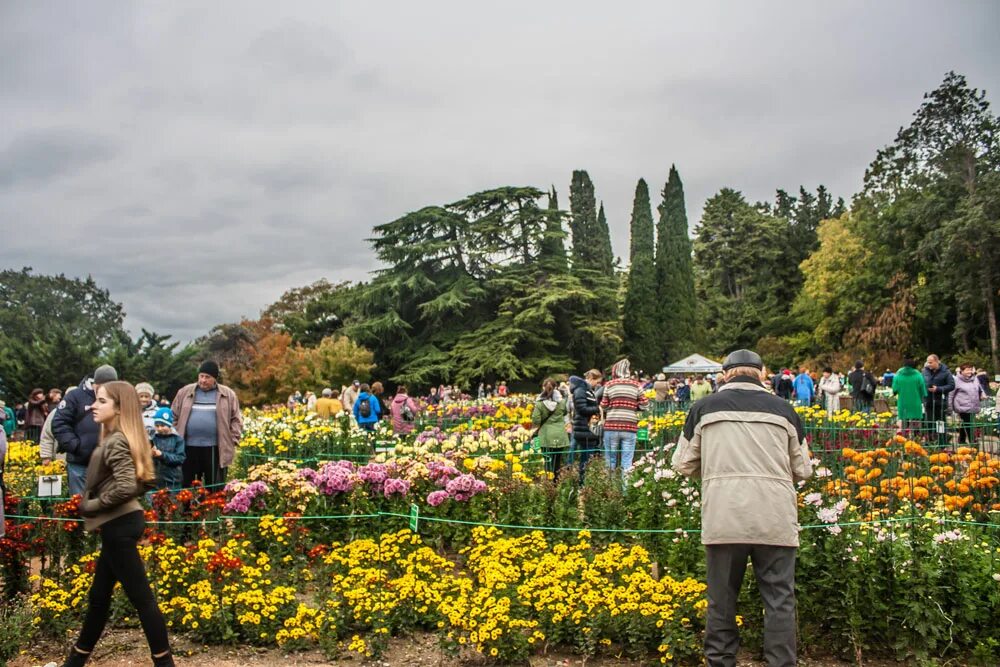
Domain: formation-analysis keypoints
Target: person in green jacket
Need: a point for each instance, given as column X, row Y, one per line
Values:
column 911, row 390
column 549, row 418
column 700, row 389
column 9, row 420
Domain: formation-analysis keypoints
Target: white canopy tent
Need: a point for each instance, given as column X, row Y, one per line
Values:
column 693, row 364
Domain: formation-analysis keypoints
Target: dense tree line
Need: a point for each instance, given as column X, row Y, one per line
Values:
column 505, row 284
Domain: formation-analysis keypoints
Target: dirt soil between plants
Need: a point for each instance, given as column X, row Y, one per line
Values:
column 127, row 648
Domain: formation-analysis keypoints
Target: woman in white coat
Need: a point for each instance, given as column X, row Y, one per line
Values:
column 829, row 387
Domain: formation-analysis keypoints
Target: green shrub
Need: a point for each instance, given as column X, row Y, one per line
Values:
column 15, row 627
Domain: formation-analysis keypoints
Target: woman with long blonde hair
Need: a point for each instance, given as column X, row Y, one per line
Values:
column 120, row 470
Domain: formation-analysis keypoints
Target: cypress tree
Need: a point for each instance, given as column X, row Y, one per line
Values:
column 594, row 344
column 606, row 256
column 552, row 251
column 674, row 274
column 583, row 222
column 639, row 317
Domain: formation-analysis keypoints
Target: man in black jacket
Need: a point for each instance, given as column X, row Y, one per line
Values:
column 75, row 429
column 939, row 383
column 862, row 387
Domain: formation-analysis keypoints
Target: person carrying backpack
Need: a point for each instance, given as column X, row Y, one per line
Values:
column 367, row 410
column 404, row 411
column 862, row 387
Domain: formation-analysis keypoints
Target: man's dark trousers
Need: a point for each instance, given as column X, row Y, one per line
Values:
column 774, row 569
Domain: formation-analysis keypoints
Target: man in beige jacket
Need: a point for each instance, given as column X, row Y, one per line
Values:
column 748, row 447
column 209, row 419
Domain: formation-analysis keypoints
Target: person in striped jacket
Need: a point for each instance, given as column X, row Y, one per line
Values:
column 623, row 400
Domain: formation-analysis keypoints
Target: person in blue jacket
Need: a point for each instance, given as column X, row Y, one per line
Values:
column 367, row 410
column 168, row 451
column 804, row 387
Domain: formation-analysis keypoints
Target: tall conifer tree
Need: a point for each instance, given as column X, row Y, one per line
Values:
column 552, row 253
column 595, row 344
column 641, row 343
column 676, row 317
column 606, row 256
column 583, row 222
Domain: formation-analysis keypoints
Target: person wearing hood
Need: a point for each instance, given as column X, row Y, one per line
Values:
column 168, row 451
column 75, row 430
column 805, row 388
column 9, row 419
column 367, row 410
column 585, row 409
column 910, row 389
column 548, row 417
column 965, row 400
column 404, row 411
column 147, row 405
column 622, row 401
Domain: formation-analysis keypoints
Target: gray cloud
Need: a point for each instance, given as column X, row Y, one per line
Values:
column 199, row 159
column 38, row 156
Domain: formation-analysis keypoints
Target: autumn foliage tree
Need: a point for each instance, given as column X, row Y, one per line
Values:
column 271, row 366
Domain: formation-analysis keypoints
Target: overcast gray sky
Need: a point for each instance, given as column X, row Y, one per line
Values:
column 200, row 158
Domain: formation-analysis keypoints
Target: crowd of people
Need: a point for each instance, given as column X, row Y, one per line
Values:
column 120, row 441
column 584, row 415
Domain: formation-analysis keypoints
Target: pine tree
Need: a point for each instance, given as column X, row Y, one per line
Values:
column 733, row 241
column 676, row 317
column 639, row 317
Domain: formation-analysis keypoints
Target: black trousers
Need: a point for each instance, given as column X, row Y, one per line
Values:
column 965, row 433
column 202, row 463
column 33, row 433
column 937, row 411
column 555, row 458
column 583, row 449
column 120, row 562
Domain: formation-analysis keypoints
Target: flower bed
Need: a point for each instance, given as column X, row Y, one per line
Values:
column 900, row 547
column 510, row 597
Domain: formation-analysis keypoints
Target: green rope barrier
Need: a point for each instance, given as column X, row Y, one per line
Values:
column 258, row 517
column 637, row 531
column 74, row 520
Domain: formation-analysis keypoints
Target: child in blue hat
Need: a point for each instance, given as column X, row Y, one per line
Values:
column 168, row 451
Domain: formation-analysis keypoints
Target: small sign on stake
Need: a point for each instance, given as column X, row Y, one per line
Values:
column 50, row 486
column 414, row 517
